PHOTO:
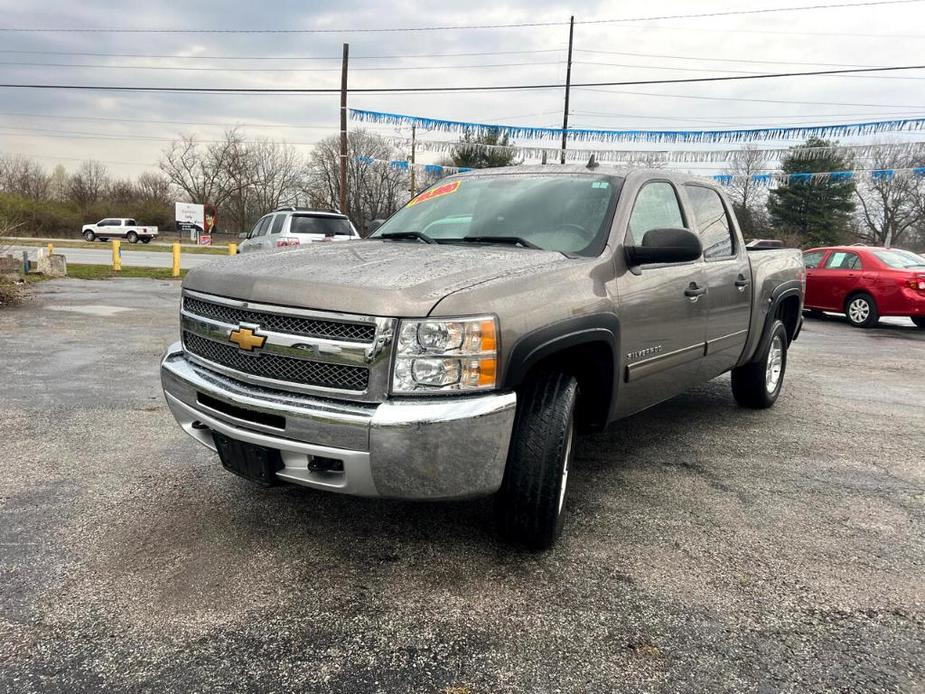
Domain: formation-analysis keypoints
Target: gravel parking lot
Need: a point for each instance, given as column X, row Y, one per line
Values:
column 708, row 548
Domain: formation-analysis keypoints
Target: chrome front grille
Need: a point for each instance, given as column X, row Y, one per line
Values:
column 281, row 323
column 301, row 350
column 303, row 371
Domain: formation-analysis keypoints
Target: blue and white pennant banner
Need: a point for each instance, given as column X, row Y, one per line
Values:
column 796, row 132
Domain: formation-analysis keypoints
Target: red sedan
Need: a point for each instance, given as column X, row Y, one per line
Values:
column 865, row 283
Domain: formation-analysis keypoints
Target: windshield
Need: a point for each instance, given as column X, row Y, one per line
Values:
column 900, row 259
column 329, row 226
column 568, row 213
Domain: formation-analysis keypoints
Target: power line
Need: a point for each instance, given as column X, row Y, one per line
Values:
column 399, row 68
column 277, row 69
column 732, row 72
column 761, row 120
column 237, row 124
column 714, row 60
column 84, row 135
column 755, row 100
column 517, row 25
column 415, row 90
column 278, row 57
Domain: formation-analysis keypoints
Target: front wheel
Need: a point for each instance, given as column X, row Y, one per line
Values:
column 131, row 237
column 529, row 505
column 89, row 235
column 757, row 385
column 862, row 311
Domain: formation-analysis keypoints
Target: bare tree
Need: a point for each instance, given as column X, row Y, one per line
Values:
column 277, row 173
column 374, row 190
column 154, row 187
column 749, row 196
column 90, row 184
column 22, row 176
column 891, row 205
column 58, row 183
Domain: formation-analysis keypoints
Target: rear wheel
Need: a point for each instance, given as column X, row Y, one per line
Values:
column 862, row 311
column 89, row 235
column 919, row 321
column 757, row 385
column 146, row 239
column 529, row 506
column 131, row 237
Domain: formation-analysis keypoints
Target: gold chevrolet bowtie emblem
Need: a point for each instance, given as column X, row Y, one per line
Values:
column 246, row 339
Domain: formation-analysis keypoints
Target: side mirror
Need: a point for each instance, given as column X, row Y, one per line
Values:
column 243, row 235
column 665, row 246
column 373, row 225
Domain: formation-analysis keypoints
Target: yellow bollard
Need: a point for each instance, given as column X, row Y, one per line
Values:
column 232, row 249
column 175, row 272
column 116, row 255
column 51, row 249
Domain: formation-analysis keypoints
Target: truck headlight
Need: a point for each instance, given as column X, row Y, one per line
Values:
column 440, row 355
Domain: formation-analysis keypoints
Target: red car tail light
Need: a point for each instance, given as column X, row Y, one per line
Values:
column 287, row 243
column 916, row 282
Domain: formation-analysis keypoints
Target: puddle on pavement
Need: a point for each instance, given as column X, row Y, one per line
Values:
column 93, row 310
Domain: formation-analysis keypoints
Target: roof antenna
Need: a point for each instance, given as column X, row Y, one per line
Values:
column 592, row 164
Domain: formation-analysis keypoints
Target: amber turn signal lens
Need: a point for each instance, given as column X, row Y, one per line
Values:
column 489, row 340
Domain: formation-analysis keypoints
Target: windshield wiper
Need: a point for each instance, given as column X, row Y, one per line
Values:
column 506, row 240
column 419, row 235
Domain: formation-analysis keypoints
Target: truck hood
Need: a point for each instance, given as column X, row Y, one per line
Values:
column 371, row 277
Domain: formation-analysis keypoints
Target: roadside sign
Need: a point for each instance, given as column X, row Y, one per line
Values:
column 190, row 218
column 205, row 240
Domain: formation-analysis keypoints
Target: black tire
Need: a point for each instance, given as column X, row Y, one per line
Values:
column 861, row 311
column 89, row 235
column 146, row 239
column 529, row 506
column 131, row 237
column 919, row 321
column 100, row 238
column 751, row 384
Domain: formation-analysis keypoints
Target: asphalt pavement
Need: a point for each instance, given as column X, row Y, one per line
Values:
column 707, row 548
column 130, row 258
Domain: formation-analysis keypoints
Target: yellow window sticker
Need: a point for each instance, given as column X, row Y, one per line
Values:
column 439, row 191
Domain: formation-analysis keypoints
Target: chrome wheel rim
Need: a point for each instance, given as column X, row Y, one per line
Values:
column 775, row 364
column 563, row 482
column 858, row 310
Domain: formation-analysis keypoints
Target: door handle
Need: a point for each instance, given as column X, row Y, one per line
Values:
column 694, row 291
column 741, row 283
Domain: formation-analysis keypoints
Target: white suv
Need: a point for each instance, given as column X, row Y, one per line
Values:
column 296, row 226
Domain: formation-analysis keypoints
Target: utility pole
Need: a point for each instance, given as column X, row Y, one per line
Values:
column 343, row 130
column 568, row 84
column 412, row 159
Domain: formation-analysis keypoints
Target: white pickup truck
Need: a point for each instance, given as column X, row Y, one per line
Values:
column 118, row 228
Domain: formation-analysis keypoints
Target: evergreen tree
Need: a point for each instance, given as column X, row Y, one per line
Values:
column 468, row 153
column 820, row 212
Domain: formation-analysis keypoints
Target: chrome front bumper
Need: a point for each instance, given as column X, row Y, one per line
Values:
column 438, row 448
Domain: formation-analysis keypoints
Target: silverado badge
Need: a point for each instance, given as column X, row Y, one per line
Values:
column 246, row 339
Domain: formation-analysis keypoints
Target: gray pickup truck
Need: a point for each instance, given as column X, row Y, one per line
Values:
column 456, row 352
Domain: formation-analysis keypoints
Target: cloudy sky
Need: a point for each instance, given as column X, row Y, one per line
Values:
column 127, row 131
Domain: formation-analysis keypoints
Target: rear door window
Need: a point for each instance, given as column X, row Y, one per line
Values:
column 712, row 222
column 277, row 223
column 811, row 260
column 843, row 260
